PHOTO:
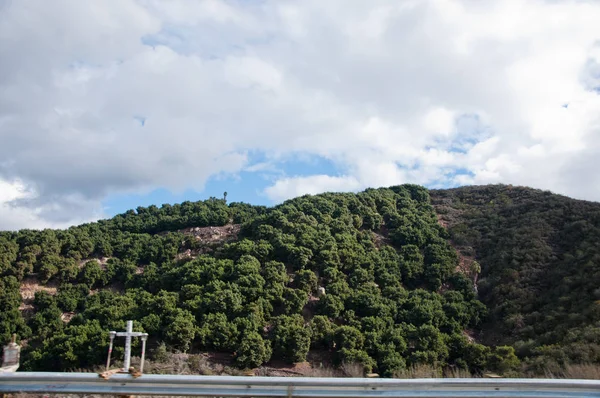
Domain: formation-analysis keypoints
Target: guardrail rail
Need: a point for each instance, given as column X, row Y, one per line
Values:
column 233, row 386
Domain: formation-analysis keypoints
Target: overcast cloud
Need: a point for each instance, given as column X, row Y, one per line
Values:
column 123, row 96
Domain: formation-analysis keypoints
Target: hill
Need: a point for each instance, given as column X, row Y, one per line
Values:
column 540, row 260
column 388, row 278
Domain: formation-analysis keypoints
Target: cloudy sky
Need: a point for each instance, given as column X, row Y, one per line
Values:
column 107, row 105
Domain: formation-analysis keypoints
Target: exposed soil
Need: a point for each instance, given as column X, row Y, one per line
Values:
column 67, row 316
column 380, row 240
column 116, row 287
column 213, row 234
column 470, row 335
column 30, row 285
column 209, row 237
column 101, row 261
column 188, row 254
column 281, row 369
column 441, row 221
column 381, row 237
column 316, row 361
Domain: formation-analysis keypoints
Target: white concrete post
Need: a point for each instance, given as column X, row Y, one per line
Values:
column 144, row 338
column 127, row 360
column 11, row 357
column 110, row 348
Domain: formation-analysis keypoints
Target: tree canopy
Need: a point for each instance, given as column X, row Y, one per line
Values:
column 396, row 291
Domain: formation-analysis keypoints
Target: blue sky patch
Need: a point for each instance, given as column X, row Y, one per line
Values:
column 246, row 186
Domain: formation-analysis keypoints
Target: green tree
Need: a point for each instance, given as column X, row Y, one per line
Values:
column 252, row 351
column 390, row 362
column 503, row 359
column 294, row 300
column 330, row 306
column 348, row 337
column 48, row 266
column 306, row 280
column 290, row 337
column 91, row 273
column 321, row 332
column 218, row 333
column 70, row 297
column 353, row 356
column 180, row 330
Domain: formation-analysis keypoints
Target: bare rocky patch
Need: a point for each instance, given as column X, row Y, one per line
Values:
column 213, row 234
column 208, row 237
column 67, row 316
column 30, row 285
column 102, row 261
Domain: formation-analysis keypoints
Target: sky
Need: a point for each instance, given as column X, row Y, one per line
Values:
column 106, row 105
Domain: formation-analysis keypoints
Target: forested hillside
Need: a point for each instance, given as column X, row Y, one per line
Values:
column 375, row 278
column 540, row 259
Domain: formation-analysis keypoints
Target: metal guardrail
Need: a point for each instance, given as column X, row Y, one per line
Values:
column 231, row 386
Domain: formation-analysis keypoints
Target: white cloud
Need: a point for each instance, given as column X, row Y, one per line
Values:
column 439, row 120
column 287, row 188
column 390, row 92
column 15, row 217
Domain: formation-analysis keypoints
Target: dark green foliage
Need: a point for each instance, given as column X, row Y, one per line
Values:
column 252, row 351
column 217, row 333
column 306, row 280
column 330, row 305
column 11, row 320
column 321, row 332
column 90, row 273
column 70, row 297
column 8, row 254
column 427, row 346
column 78, row 346
column 180, row 329
column 539, row 268
column 48, row 266
column 352, row 356
column 348, row 337
column 390, row 362
column 291, row 338
column 294, row 300
column 503, row 359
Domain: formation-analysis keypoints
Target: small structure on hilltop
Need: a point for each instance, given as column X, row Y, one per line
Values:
column 11, row 356
column 128, row 334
